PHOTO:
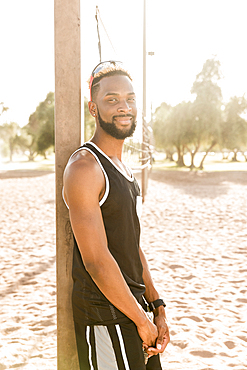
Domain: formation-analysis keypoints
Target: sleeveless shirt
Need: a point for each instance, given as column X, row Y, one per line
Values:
column 120, row 216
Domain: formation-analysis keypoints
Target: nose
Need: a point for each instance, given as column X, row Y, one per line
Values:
column 124, row 107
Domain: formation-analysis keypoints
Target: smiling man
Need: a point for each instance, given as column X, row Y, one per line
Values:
column 113, row 288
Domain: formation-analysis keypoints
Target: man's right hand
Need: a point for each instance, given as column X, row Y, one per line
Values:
column 148, row 333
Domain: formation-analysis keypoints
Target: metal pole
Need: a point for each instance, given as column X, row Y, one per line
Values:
column 67, row 139
column 144, row 154
column 99, row 43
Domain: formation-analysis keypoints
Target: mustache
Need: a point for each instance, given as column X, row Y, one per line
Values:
column 124, row 115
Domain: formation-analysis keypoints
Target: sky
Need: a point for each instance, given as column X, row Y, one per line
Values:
column 182, row 34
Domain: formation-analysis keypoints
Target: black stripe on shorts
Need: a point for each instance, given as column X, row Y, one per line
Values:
column 112, row 347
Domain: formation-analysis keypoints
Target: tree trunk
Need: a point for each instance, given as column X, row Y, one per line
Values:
column 180, row 161
column 11, row 150
column 245, row 156
column 192, row 154
column 225, row 156
column 234, row 159
column 204, row 157
column 169, row 155
column 31, row 155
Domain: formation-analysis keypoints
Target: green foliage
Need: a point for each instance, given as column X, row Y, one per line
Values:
column 207, row 109
column 234, row 127
column 191, row 126
column 205, row 85
column 178, row 128
column 9, row 135
column 159, row 123
column 178, row 125
column 40, row 128
column 2, row 108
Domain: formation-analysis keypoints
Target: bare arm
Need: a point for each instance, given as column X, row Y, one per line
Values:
column 151, row 295
column 84, row 184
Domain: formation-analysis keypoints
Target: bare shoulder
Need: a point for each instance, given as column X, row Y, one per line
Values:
column 82, row 178
column 81, row 163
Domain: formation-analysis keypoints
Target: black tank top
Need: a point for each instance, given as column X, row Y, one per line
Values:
column 119, row 207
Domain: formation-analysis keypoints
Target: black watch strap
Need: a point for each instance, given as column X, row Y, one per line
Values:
column 156, row 304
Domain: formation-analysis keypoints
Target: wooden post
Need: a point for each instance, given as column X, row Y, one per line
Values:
column 67, row 139
column 144, row 141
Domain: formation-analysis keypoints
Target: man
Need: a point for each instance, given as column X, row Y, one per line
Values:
column 110, row 272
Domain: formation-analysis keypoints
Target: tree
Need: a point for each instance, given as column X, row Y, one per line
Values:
column 24, row 143
column 45, row 113
column 234, row 127
column 178, row 129
column 2, row 108
column 159, row 123
column 206, row 109
column 172, row 128
column 40, row 128
column 194, row 125
column 31, row 131
column 9, row 133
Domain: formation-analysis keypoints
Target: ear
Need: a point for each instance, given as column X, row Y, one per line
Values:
column 92, row 108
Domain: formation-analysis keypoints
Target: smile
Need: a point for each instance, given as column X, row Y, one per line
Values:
column 123, row 120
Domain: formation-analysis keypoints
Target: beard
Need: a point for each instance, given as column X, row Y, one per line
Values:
column 111, row 129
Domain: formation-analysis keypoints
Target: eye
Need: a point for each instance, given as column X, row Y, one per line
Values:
column 132, row 99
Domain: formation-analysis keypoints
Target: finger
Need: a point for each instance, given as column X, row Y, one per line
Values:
column 160, row 347
column 166, row 341
column 154, row 351
column 151, row 351
column 162, row 341
column 146, row 349
column 144, row 346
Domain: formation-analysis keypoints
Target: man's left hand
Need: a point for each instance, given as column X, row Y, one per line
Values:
column 163, row 336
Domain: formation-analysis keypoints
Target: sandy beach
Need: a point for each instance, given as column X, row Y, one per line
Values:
column 194, row 233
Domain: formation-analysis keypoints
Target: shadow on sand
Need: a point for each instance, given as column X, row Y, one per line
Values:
column 28, row 278
column 14, row 174
column 199, row 184
column 196, row 177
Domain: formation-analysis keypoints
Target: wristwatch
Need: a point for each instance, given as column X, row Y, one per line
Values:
column 156, row 304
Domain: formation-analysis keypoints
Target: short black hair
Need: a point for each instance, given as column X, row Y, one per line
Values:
column 108, row 72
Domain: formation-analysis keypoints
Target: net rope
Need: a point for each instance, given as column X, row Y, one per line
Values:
column 137, row 153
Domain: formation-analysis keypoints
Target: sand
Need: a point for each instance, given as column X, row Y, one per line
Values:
column 195, row 237
column 28, row 286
